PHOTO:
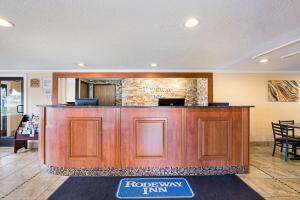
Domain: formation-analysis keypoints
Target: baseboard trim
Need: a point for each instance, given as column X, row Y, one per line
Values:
column 261, row 143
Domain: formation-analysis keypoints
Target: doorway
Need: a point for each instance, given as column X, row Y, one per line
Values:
column 106, row 94
column 11, row 108
column 84, row 90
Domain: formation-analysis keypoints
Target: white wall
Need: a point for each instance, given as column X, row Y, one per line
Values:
column 252, row 89
column 66, row 90
column 35, row 96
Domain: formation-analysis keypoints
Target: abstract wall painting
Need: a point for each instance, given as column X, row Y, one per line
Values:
column 283, row 90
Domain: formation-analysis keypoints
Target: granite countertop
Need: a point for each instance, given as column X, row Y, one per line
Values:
column 192, row 106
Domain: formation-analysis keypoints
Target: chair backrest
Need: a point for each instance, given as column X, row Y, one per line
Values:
column 279, row 130
column 289, row 122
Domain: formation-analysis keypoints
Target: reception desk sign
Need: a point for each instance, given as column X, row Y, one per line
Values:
column 156, row 188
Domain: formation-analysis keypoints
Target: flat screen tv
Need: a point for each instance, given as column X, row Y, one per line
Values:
column 86, row 102
column 171, row 102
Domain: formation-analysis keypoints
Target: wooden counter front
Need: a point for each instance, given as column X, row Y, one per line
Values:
column 132, row 137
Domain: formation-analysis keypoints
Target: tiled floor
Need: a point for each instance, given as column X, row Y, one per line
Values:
column 271, row 177
column 21, row 177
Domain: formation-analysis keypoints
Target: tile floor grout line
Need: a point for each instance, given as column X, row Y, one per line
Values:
column 20, row 185
column 12, row 153
column 55, row 182
column 22, row 157
column 276, row 179
column 6, row 155
column 19, row 161
column 15, row 170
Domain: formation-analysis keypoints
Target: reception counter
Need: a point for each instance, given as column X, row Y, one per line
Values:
column 144, row 140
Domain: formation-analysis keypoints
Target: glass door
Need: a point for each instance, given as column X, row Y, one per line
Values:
column 11, row 108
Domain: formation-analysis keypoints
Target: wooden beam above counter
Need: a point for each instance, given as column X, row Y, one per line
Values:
column 57, row 75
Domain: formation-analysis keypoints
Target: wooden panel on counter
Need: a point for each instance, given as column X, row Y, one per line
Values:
column 150, row 137
column 215, row 137
column 81, row 137
column 129, row 137
column 85, row 138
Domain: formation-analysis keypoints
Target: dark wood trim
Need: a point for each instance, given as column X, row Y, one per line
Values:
column 117, row 122
column 183, row 137
column 54, row 97
column 129, row 75
column 57, row 75
column 42, row 135
column 246, row 136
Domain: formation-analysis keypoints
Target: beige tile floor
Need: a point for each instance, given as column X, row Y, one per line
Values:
column 21, row 177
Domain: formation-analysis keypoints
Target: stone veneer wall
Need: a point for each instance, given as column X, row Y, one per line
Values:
column 202, row 91
column 147, row 91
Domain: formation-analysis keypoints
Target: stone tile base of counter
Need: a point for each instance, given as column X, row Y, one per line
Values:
column 166, row 171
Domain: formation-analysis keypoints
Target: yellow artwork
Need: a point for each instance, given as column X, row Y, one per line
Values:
column 283, row 90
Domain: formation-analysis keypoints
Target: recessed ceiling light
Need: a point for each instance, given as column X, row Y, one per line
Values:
column 5, row 23
column 192, row 22
column 153, row 65
column 81, row 64
column 264, row 60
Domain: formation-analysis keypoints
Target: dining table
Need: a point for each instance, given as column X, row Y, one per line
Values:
column 287, row 126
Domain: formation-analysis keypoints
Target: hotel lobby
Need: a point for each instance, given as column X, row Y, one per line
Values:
column 149, row 100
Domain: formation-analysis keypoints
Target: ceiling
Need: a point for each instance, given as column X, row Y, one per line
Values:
column 119, row 35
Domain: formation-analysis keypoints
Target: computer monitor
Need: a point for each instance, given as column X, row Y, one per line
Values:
column 171, row 102
column 218, row 104
column 71, row 103
column 86, row 102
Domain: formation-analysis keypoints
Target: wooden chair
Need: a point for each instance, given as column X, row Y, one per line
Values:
column 279, row 133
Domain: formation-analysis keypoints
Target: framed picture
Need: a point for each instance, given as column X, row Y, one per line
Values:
column 47, row 83
column 35, row 83
column 47, row 87
column 283, row 90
